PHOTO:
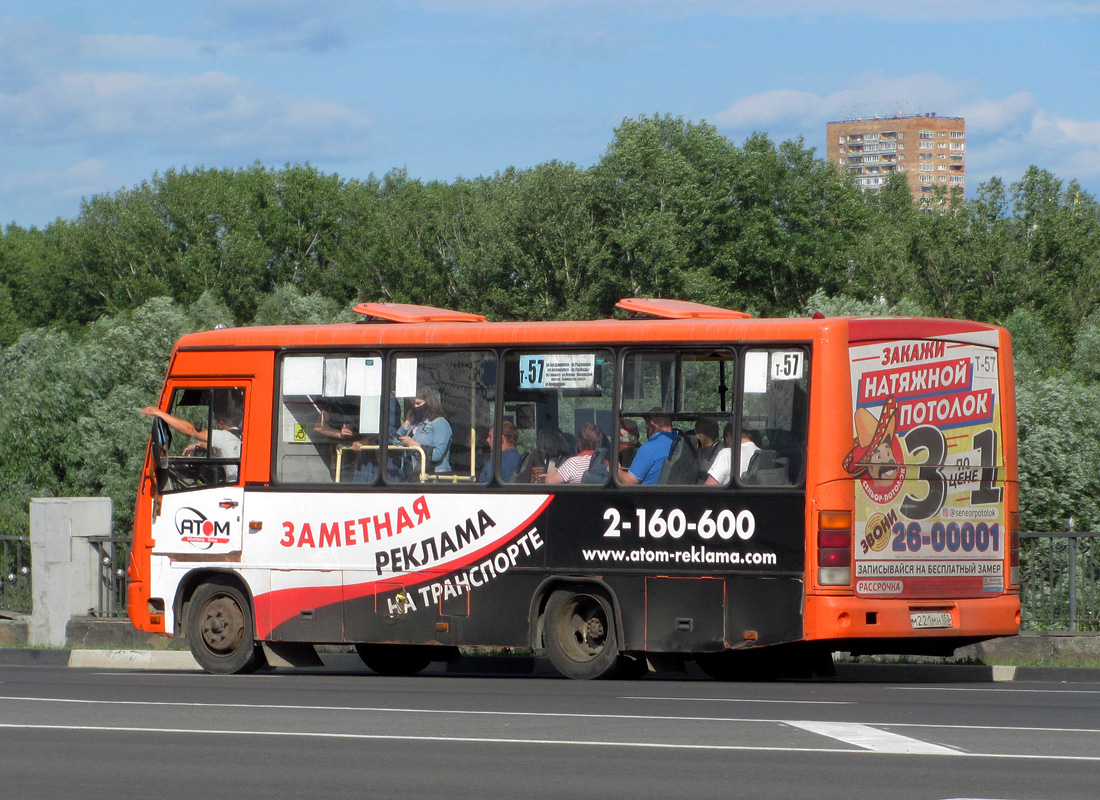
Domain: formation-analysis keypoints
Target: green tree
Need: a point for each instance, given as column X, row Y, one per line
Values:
column 532, row 246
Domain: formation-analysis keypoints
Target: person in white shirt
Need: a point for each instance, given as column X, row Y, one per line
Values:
column 224, row 440
column 719, row 473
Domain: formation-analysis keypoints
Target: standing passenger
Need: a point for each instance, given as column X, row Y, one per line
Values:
column 425, row 426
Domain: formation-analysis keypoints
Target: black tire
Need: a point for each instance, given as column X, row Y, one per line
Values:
column 219, row 629
column 397, row 659
column 580, row 636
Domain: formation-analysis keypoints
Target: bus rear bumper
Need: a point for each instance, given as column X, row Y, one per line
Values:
column 972, row 619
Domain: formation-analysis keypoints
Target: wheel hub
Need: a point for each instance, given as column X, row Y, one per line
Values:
column 222, row 625
column 594, row 632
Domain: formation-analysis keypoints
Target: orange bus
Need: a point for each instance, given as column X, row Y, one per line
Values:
column 686, row 483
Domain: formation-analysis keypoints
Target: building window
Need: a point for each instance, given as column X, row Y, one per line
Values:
column 958, row 146
column 957, row 134
column 926, row 134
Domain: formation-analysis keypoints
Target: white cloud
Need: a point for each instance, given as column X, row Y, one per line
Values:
column 39, row 194
column 141, row 47
column 997, row 115
column 867, row 95
column 187, row 114
column 927, row 9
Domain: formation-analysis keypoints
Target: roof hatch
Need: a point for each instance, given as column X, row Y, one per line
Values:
column 406, row 312
column 677, row 309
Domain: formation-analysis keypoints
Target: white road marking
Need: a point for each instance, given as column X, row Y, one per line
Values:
column 540, row 742
column 745, row 700
column 385, row 710
column 558, row 714
column 998, row 690
column 874, row 739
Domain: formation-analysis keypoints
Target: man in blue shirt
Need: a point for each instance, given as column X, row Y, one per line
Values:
column 650, row 458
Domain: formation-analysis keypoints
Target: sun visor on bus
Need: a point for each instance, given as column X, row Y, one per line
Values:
column 406, row 312
column 677, row 309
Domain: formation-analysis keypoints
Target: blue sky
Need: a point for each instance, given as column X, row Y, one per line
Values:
column 99, row 95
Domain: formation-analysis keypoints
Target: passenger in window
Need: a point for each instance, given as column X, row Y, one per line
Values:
column 549, row 452
column 719, row 473
column 223, row 442
column 628, row 442
column 572, row 469
column 650, row 458
column 509, row 455
column 426, row 427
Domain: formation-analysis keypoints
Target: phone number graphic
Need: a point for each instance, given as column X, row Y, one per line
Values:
column 657, row 524
column 950, row 538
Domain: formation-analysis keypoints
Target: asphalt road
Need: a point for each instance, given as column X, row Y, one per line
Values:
column 90, row 733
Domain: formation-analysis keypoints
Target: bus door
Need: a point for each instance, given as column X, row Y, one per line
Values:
column 197, row 449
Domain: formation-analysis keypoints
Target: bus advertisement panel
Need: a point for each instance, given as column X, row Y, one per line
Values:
column 927, row 458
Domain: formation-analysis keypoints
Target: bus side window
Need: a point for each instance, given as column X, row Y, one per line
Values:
column 329, row 418
column 771, row 448
column 677, row 404
column 446, row 405
column 561, row 406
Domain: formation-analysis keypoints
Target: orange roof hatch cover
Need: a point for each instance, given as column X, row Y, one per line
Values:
column 406, row 312
column 677, row 309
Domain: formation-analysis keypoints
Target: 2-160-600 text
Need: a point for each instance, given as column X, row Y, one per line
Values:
column 657, row 523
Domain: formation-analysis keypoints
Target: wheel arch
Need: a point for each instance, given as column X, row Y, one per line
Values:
column 196, row 578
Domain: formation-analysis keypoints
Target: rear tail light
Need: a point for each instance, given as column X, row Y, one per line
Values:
column 1014, row 548
column 834, row 548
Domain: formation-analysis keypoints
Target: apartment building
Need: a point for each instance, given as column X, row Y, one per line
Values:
column 929, row 150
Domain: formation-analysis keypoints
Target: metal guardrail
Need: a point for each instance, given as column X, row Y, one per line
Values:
column 1059, row 578
column 15, row 573
column 112, row 552
column 1060, row 581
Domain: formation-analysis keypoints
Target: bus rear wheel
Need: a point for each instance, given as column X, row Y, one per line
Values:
column 396, row 659
column 580, row 636
column 219, row 629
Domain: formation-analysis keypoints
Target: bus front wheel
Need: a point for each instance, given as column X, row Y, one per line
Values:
column 580, row 636
column 219, row 629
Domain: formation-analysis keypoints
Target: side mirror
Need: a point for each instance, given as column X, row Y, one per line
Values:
column 161, row 439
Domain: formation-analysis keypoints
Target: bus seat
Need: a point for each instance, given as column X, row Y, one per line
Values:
column 766, row 468
column 681, row 467
column 523, row 470
column 598, row 471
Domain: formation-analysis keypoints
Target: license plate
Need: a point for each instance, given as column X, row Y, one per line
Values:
column 930, row 619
